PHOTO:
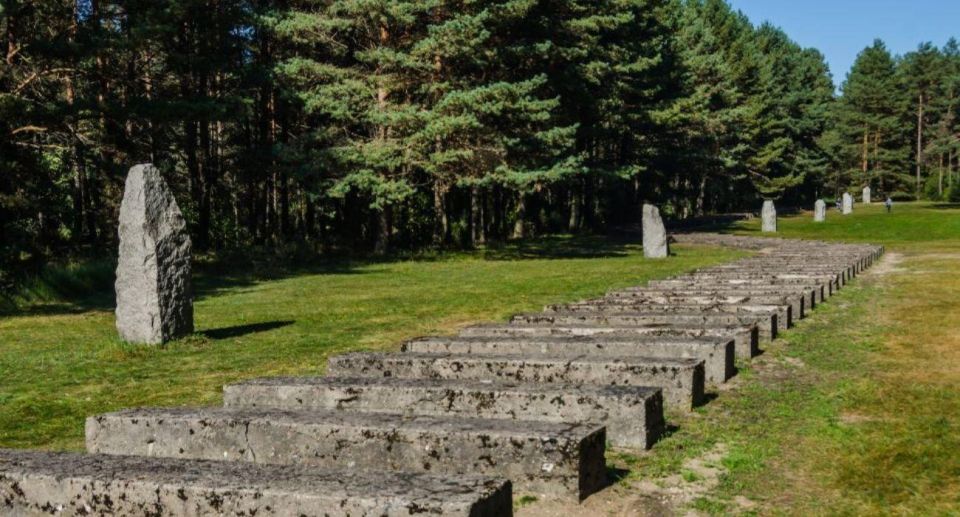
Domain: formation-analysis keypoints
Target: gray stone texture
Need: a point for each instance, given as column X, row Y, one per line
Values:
column 717, row 353
column 867, row 196
column 654, row 233
column 682, row 380
column 69, row 484
column 769, row 217
column 779, row 315
column 564, row 460
column 819, row 211
column 632, row 415
column 154, row 295
column 847, row 203
column 767, row 329
column 746, row 338
column 705, row 297
column 821, row 291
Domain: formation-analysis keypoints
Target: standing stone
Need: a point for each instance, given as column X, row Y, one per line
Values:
column 819, row 211
column 769, row 216
column 847, row 203
column 654, row 234
column 154, row 297
column 866, row 195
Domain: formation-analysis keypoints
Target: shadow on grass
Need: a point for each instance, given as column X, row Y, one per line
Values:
column 243, row 330
column 561, row 247
column 615, row 475
column 89, row 287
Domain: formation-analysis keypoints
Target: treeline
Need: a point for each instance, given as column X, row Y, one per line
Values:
column 897, row 125
column 371, row 125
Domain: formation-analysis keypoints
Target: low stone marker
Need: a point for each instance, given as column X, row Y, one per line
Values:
column 654, row 234
column 866, row 195
column 847, row 203
column 154, row 295
column 769, row 216
column 819, row 211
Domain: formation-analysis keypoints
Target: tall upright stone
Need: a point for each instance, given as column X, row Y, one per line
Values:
column 866, row 195
column 847, row 203
column 654, row 233
column 154, row 295
column 769, row 216
column 819, row 211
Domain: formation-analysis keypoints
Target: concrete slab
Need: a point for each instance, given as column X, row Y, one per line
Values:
column 561, row 459
column 682, row 380
column 633, row 415
column 718, row 354
column 766, row 325
column 746, row 338
column 34, row 483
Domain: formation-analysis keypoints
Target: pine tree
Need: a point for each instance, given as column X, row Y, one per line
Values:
column 920, row 74
column 869, row 118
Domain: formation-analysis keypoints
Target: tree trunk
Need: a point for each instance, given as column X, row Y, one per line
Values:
column 865, row 162
column 206, row 170
column 940, row 180
column 573, row 225
column 520, row 213
column 479, row 216
column 701, row 195
column 441, row 227
column 382, row 243
column 919, row 141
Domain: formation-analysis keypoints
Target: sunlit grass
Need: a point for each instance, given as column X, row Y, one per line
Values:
column 61, row 361
column 856, row 411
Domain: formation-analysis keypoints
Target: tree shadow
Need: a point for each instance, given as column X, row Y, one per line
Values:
column 230, row 271
column 242, row 330
column 561, row 247
column 945, row 206
column 213, row 279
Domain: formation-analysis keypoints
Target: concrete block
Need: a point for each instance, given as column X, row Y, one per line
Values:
column 633, row 415
column 562, row 459
column 746, row 338
column 34, row 483
column 682, row 380
column 718, row 354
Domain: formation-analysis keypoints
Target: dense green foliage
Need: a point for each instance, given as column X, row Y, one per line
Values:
column 358, row 125
column 896, row 125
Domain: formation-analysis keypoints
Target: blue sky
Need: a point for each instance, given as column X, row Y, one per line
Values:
column 842, row 28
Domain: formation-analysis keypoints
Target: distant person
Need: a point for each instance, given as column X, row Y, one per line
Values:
column 839, row 204
column 889, row 204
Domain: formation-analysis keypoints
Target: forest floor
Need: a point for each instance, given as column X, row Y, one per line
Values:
column 854, row 411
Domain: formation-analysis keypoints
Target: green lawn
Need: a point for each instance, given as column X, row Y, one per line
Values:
column 856, row 411
column 919, row 227
column 61, row 361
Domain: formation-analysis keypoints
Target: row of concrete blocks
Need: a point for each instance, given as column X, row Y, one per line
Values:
column 453, row 425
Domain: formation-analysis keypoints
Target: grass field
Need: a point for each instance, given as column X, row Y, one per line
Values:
column 62, row 361
column 856, row 411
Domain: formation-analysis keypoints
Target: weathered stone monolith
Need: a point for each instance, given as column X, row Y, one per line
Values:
column 154, row 296
column 866, row 195
column 769, row 216
column 847, row 203
column 819, row 211
column 654, row 233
